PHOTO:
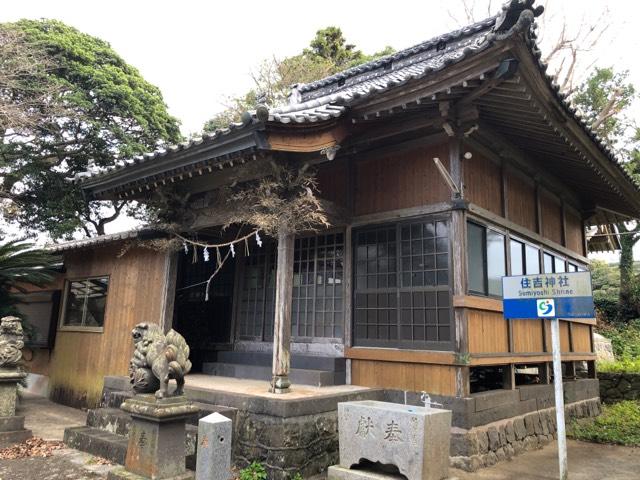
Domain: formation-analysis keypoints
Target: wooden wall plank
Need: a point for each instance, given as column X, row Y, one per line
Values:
column 522, row 201
column 551, row 218
column 488, row 332
column 574, row 232
column 564, row 336
column 80, row 360
column 483, row 183
column 581, row 336
column 400, row 180
column 333, row 180
column 527, row 336
column 435, row 379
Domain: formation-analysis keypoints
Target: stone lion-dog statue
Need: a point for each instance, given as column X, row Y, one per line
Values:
column 157, row 358
column 11, row 341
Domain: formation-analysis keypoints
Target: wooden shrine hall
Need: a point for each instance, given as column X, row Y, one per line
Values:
column 403, row 289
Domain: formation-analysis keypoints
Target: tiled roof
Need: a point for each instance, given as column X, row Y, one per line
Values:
column 332, row 96
column 328, row 98
column 99, row 240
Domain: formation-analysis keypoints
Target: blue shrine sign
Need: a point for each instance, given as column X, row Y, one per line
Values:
column 548, row 295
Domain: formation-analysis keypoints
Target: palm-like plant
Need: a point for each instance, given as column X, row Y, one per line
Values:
column 22, row 264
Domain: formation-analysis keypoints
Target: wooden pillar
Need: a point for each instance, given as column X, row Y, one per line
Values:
column 169, row 290
column 282, row 322
column 458, row 234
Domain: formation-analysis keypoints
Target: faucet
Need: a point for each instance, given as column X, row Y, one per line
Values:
column 426, row 399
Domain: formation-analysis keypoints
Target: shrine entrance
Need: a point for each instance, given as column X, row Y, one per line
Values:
column 205, row 324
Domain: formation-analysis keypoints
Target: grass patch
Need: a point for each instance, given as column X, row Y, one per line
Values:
column 619, row 424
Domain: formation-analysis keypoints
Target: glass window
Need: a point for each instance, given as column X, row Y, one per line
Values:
column 548, row 263
column 486, row 260
column 402, row 294
column 496, row 263
column 85, row 303
column 559, row 265
column 475, row 244
column 571, row 267
column 517, row 257
column 532, row 259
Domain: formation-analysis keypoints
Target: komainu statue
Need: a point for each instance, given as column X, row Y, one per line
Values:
column 11, row 341
column 157, row 358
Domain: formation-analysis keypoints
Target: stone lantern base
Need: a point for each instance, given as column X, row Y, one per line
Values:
column 156, row 448
column 12, row 429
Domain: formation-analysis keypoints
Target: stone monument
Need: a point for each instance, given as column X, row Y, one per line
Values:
column 379, row 440
column 214, row 448
column 156, row 448
column 11, row 373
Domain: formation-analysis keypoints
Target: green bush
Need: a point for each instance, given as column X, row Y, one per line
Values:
column 625, row 339
column 624, row 365
column 619, row 424
column 255, row 471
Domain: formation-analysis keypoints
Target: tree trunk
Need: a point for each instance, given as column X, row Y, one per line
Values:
column 282, row 323
column 628, row 307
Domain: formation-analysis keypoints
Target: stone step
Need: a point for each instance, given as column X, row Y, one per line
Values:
column 300, row 376
column 113, row 447
column 112, row 420
column 97, row 442
column 298, row 361
column 113, row 399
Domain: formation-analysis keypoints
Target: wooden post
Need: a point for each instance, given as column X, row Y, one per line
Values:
column 458, row 233
column 169, row 290
column 282, row 322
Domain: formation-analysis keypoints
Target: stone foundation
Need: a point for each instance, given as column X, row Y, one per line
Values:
column 489, row 444
column 615, row 387
column 301, row 435
column 307, row 444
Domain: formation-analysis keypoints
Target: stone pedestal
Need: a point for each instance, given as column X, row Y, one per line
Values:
column 11, row 425
column 390, row 437
column 214, row 448
column 156, row 447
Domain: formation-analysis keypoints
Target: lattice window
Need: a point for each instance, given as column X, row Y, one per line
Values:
column 318, row 290
column 317, row 309
column 402, row 294
column 257, row 293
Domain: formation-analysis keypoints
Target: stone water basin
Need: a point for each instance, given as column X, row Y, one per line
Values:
column 413, row 439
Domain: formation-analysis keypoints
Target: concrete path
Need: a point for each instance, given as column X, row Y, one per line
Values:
column 587, row 461
column 46, row 419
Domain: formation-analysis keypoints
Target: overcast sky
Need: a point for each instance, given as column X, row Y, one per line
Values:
column 198, row 52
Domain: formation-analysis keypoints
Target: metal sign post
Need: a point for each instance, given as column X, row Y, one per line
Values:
column 551, row 296
column 559, row 397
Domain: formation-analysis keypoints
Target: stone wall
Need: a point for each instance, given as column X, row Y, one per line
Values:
column 615, row 387
column 484, row 446
column 306, row 444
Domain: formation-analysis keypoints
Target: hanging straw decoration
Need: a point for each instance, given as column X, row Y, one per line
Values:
column 219, row 258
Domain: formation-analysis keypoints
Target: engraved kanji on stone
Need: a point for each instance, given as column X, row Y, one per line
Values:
column 365, row 427
column 393, row 433
column 142, row 439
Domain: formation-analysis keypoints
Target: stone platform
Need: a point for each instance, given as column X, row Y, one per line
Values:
column 298, row 432
column 12, row 429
